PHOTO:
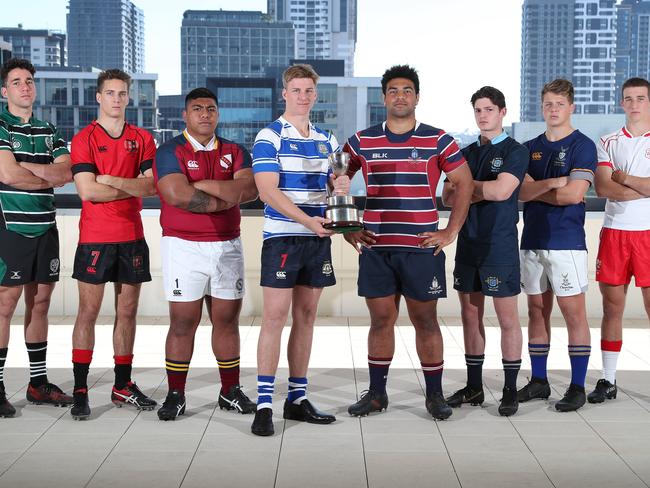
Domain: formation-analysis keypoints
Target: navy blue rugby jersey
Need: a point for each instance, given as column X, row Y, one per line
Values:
column 556, row 227
column 489, row 234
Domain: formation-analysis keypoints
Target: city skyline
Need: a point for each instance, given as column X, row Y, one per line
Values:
column 441, row 41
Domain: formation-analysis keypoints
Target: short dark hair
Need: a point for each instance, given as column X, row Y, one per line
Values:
column 559, row 87
column 200, row 93
column 112, row 74
column 13, row 63
column 400, row 71
column 494, row 94
column 636, row 83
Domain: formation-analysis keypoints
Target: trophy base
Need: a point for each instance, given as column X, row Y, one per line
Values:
column 341, row 227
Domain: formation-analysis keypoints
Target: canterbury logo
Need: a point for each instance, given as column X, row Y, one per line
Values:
column 193, row 164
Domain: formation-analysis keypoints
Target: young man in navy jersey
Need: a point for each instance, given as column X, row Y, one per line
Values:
column 111, row 164
column 290, row 163
column 401, row 248
column 553, row 248
column 202, row 179
column 487, row 256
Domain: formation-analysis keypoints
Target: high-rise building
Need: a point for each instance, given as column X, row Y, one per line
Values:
column 106, row 34
column 632, row 42
column 41, row 47
column 5, row 51
column 568, row 39
column 232, row 44
column 325, row 29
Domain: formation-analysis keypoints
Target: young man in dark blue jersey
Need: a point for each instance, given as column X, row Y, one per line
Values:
column 553, row 248
column 401, row 248
column 487, row 256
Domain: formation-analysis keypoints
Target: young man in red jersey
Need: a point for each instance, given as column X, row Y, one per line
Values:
column 202, row 179
column 111, row 164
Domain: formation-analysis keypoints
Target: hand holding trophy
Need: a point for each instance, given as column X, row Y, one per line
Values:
column 340, row 209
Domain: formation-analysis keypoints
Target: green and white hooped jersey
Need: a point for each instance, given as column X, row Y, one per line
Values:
column 28, row 212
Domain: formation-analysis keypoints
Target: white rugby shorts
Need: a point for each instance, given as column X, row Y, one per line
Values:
column 565, row 271
column 194, row 269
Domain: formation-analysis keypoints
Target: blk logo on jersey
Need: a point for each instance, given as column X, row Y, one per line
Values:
column 492, row 283
column 379, row 156
column 495, row 165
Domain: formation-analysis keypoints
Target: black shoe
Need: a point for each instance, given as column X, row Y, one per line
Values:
column 306, row 412
column 132, row 395
column 604, row 391
column 80, row 408
column 173, row 406
column 536, row 388
column 235, row 399
column 263, row 422
column 370, row 401
column 509, row 404
column 437, row 406
column 573, row 399
column 466, row 395
column 6, row 409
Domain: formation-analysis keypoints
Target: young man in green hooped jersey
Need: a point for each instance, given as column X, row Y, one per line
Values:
column 33, row 160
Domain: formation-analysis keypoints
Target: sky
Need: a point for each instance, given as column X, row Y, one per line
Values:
column 456, row 46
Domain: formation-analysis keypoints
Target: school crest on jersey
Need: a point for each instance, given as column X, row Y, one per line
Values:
column 49, row 143
column 495, row 164
column 493, row 283
column 536, row 156
column 226, row 161
column 414, row 154
column 647, row 153
column 560, row 159
column 323, row 149
column 131, row 145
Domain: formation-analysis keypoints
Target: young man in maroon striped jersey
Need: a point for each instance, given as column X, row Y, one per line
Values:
column 401, row 247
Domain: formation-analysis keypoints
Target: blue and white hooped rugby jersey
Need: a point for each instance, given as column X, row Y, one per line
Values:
column 301, row 163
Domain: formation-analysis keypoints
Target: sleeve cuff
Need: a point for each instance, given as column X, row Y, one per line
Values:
column 84, row 168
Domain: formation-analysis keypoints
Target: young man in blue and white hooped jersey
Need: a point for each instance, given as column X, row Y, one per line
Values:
column 290, row 164
column 553, row 247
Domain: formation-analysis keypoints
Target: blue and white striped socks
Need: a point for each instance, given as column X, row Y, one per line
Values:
column 265, row 387
column 297, row 390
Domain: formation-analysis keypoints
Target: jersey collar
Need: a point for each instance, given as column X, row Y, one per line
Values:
column 627, row 133
column 14, row 119
column 197, row 146
column 501, row 137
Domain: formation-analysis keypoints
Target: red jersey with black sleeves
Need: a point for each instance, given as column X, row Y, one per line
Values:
column 94, row 150
column 401, row 172
column 220, row 163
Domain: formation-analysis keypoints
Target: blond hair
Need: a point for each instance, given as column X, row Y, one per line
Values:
column 299, row 71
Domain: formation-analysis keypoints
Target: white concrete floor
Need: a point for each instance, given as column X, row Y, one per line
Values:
column 598, row 446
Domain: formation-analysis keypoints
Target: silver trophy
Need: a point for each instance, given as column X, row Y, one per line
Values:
column 340, row 209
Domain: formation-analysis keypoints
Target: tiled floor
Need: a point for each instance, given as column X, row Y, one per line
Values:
column 599, row 446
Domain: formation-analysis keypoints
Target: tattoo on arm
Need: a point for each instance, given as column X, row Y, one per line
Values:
column 199, row 203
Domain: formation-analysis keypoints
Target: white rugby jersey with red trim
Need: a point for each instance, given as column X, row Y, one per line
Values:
column 622, row 151
column 401, row 172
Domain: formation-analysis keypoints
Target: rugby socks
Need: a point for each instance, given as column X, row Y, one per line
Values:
column 297, row 390
column 610, row 351
column 538, row 359
column 579, row 356
column 81, row 359
column 474, row 363
column 37, row 369
column 265, row 386
column 3, row 358
column 378, row 371
column 432, row 377
column 123, row 366
column 229, row 373
column 510, row 372
column 176, row 374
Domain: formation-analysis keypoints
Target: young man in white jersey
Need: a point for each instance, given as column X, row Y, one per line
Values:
column 623, row 177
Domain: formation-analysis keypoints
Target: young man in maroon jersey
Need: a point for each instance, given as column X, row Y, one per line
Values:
column 202, row 179
column 401, row 246
column 111, row 164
